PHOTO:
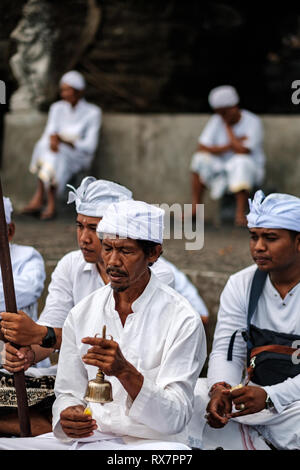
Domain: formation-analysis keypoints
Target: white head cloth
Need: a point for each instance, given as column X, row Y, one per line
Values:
column 223, row 97
column 74, row 79
column 94, row 196
column 274, row 211
column 7, row 209
column 133, row 219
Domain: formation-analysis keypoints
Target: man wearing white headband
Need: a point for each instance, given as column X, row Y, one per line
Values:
column 230, row 156
column 153, row 361
column 67, row 145
column 29, row 276
column 81, row 272
column 258, row 322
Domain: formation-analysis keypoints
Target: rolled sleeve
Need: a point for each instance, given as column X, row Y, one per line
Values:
column 284, row 393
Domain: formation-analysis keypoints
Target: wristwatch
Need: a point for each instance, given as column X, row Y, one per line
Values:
column 49, row 339
column 269, row 404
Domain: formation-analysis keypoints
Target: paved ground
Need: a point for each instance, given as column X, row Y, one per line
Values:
column 225, row 251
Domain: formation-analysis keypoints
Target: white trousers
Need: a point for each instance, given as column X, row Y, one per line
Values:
column 238, row 173
column 99, row 441
column 57, row 168
column 280, row 429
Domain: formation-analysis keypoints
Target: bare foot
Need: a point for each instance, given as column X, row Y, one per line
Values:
column 31, row 210
column 48, row 215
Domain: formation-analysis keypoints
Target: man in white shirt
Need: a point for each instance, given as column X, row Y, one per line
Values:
column 270, row 403
column 153, row 361
column 78, row 274
column 28, row 270
column 29, row 276
column 67, row 145
column 230, row 155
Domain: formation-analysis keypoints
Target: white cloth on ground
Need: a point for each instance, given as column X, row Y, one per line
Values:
column 277, row 211
column 133, row 219
column 29, row 276
column 93, row 196
column 272, row 313
column 163, row 338
column 99, row 441
column 80, row 125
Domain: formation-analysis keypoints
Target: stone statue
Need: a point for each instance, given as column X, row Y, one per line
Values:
column 31, row 64
column 47, row 47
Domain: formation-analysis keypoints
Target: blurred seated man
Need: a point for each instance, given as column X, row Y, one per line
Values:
column 230, row 155
column 67, row 145
column 153, row 357
column 29, row 276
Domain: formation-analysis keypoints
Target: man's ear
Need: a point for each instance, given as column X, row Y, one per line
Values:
column 156, row 252
column 11, row 228
column 298, row 241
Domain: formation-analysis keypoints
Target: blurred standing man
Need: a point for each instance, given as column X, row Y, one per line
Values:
column 67, row 145
column 230, row 155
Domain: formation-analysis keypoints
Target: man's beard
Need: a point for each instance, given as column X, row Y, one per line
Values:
column 119, row 289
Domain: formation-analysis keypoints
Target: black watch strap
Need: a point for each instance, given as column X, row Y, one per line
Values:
column 50, row 339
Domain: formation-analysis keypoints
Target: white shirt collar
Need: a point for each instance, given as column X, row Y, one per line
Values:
column 141, row 302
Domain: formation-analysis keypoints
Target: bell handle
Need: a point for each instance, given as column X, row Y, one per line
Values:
column 103, row 334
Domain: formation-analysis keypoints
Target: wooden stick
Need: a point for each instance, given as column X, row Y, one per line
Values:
column 11, row 306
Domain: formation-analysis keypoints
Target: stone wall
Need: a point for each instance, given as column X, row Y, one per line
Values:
column 148, row 153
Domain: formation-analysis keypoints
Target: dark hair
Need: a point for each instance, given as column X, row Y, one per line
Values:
column 147, row 246
column 293, row 234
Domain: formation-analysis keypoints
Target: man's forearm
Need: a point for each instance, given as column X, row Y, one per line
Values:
column 214, row 149
column 41, row 353
column 236, row 144
column 132, row 380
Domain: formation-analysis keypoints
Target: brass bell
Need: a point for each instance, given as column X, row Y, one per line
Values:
column 99, row 390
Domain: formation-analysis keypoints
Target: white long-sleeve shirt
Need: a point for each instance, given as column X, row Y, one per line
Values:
column 249, row 126
column 272, row 313
column 79, row 124
column 163, row 338
column 29, row 276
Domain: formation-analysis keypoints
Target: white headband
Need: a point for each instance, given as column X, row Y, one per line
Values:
column 94, row 196
column 133, row 219
column 74, row 79
column 277, row 210
column 223, row 97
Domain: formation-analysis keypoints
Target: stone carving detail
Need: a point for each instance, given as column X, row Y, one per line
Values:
column 31, row 63
column 45, row 50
